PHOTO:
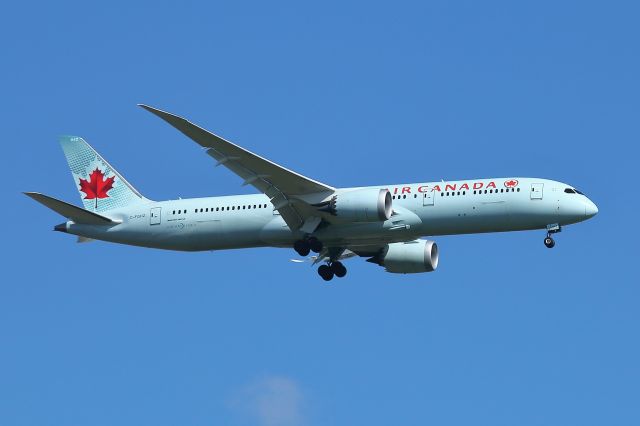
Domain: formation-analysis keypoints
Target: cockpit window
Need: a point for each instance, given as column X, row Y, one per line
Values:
column 572, row 191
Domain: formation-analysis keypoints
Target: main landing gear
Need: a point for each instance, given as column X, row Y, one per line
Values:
column 330, row 269
column 333, row 268
column 304, row 247
column 551, row 229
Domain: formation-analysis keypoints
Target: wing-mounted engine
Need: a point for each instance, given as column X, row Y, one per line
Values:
column 408, row 258
column 359, row 205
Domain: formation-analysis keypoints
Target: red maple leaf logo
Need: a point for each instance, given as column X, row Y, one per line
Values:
column 96, row 186
column 511, row 183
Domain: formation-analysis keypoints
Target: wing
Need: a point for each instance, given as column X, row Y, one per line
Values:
column 281, row 185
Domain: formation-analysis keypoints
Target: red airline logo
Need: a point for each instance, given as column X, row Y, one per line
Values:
column 465, row 186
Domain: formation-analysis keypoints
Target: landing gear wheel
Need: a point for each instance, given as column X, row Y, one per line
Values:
column 315, row 245
column 549, row 242
column 325, row 272
column 338, row 269
column 302, row 248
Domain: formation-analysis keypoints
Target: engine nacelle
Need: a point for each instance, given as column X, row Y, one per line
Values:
column 360, row 205
column 408, row 258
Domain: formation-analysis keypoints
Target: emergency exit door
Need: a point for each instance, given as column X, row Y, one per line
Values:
column 427, row 198
column 154, row 216
column 536, row 191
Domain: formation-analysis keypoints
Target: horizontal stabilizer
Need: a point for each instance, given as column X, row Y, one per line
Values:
column 70, row 211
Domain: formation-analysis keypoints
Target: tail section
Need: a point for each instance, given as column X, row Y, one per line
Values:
column 100, row 186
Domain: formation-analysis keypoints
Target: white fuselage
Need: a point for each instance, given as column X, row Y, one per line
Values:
column 421, row 209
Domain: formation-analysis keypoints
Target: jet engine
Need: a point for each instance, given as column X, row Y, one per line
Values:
column 408, row 258
column 360, row 205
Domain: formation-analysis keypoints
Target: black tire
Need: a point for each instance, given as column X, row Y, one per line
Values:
column 302, row 248
column 315, row 245
column 338, row 269
column 325, row 272
column 549, row 242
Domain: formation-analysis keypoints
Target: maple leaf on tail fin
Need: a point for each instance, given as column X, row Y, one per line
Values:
column 96, row 186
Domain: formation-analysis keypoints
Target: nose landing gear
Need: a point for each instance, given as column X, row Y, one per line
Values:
column 551, row 229
column 328, row 271
column 549, row 242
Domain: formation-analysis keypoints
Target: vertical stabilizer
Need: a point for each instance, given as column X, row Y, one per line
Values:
column 100, row 186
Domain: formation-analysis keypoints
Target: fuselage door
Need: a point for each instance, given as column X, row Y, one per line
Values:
column 536, row 191
column 427, row 198
column 154, row 216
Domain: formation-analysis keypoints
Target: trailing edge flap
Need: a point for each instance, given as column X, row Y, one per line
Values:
column 70, row 211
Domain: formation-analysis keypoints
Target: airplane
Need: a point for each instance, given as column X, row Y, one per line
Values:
column 384, row 224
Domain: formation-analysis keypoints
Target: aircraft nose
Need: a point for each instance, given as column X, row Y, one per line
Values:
column 590, row 209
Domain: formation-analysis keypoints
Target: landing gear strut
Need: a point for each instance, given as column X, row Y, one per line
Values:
column 328, row 271
column 551, row 229
column 307, row 245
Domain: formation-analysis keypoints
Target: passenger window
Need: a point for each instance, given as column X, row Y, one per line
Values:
column 458, row 192
column 174, row 212
column 518, row 189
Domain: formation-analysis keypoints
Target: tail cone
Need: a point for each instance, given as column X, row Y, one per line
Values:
column 61, row 228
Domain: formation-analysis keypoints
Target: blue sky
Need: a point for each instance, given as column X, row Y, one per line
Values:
column 505, row 332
